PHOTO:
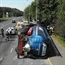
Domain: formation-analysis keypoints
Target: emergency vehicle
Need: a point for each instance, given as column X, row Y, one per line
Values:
column 19, row 25
column 11, row 31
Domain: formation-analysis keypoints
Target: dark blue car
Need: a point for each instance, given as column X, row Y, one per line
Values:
column 38, row 43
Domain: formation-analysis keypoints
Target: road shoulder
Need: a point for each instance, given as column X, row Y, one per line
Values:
column 58, row 60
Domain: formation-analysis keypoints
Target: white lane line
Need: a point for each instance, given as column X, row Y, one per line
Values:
column 27, row 61
column 50, row 61
column 11, row 50
column 1, row 59
column 14, row 58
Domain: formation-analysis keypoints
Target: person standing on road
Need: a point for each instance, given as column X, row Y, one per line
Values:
column 2, row 31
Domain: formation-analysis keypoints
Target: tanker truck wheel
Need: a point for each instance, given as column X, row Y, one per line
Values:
column 18, row 55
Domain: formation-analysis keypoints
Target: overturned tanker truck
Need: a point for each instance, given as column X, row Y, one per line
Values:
column 38, row 42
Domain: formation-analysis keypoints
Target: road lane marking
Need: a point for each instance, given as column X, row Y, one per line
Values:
column 11, row 50
column 1, row 59
column 14, row 58
column 50, row 61
column 27, row 61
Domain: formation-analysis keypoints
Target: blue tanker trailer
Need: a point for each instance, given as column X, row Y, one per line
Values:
column 38, row 43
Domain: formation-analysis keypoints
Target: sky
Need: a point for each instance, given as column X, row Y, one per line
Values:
column 19, row 4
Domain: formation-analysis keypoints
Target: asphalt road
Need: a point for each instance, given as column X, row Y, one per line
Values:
column 8, row 23
column 5, row 24
column 11, row 58
column 7, row 51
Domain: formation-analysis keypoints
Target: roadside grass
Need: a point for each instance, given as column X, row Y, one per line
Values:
column 3, row 19
column 60, row 40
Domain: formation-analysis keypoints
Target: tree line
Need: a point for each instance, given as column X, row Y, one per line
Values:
column 11, row 12
column 46, row 11
column 49, row 12
column 60, row 20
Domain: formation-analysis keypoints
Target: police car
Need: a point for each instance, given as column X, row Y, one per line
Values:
column 10, row 30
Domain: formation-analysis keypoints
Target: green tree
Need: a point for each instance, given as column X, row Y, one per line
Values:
column 47, row 11
column 60, row 21
column 29, row 11
column 11, row 12
column 26, row 13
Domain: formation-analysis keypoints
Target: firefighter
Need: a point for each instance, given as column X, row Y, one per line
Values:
column 2, row 32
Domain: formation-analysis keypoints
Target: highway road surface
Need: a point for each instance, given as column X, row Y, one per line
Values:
column 10, row 58
column 7, row 50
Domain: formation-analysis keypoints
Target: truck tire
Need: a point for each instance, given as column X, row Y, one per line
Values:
column 18, row 56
